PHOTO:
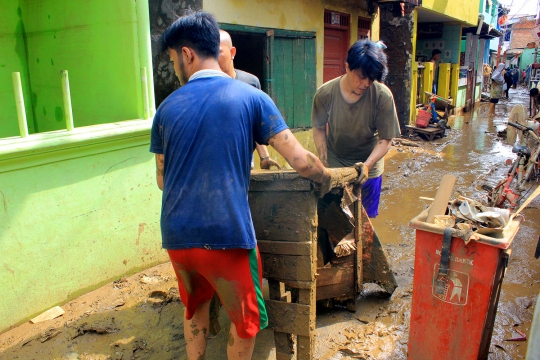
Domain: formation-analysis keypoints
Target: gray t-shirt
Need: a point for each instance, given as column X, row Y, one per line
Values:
column 355, row 129
column 252, row 80
column 248, row 78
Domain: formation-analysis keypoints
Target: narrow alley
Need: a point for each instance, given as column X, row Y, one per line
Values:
column 141, row 317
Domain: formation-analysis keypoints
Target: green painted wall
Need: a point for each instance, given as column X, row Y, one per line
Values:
column 94, row 219
column 526, row 59
column 97, row 41
column 12, row 59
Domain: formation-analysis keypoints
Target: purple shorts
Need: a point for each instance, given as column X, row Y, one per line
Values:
column 371, row 194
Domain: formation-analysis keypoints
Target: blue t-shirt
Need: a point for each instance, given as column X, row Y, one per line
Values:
column 207, row 131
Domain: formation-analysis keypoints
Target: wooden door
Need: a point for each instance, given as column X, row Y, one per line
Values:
column 336, row 44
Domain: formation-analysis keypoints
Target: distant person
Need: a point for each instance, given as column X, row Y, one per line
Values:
column 435, row 57
column 508, row 82
column 515, row 77
column 497, row 81
column 535, row 98
column 487, row 75
column 227, row 52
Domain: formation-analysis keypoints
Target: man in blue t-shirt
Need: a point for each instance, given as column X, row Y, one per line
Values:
column 203, row 136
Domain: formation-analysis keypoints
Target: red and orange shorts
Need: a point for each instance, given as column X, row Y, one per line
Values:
column 234, row 274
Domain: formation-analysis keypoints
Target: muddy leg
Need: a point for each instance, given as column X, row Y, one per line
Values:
column 215, row 304
column 491, row 109
column 239, row 349
column 196, row 331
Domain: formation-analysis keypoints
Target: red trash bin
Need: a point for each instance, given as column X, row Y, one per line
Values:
column 454, row 306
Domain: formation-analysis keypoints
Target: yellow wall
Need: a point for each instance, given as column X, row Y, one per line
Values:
column 443, row 82
column 462, row 10
column 299, row 15
column 305, row 138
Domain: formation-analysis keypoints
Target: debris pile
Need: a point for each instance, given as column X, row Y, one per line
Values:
column 470, row 216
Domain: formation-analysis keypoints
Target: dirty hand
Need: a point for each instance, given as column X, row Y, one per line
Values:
column 267, row 162
column 363, row 173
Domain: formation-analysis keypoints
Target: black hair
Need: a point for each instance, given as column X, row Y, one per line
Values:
column 534, row 92
column 370, row 59
column 197, row 30
column 435, row 52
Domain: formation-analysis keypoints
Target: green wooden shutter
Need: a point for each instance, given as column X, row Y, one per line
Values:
column 293, row 77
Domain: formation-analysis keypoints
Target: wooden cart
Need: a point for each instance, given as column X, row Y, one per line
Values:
column 288, row 218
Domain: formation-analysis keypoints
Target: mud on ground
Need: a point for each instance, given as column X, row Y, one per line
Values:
column 141, row 317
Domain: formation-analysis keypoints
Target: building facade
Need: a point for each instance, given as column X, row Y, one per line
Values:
column 77, row 182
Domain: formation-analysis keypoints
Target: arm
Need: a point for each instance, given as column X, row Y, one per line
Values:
column 319, row 138
column 266, row 161
column 378, row 152
column 301, row 160
column 160, row 166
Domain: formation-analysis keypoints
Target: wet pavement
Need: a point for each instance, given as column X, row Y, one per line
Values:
column 141, row 317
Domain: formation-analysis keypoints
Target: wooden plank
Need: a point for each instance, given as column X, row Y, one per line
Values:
column 334, row 275
column 283, row 341
column 358, row 230
column 271, row 175
column 299, row 284
column 439, row 205
column 288, row 318
column 306, row 343
column 343, row 290
column 290, row 185
column 284, row 247
column 285, row 267
column 284, row 216
column 278, row 180
column 341, row 176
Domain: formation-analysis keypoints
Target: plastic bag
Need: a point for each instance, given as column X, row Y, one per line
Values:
column 505, row 86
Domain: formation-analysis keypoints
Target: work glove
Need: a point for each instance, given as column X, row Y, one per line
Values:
column 363, row 173
column 268, row 162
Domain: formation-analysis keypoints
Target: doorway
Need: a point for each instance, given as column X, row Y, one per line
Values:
column 249, row 53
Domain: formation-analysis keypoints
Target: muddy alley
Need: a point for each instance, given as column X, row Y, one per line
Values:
column 140, row 317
